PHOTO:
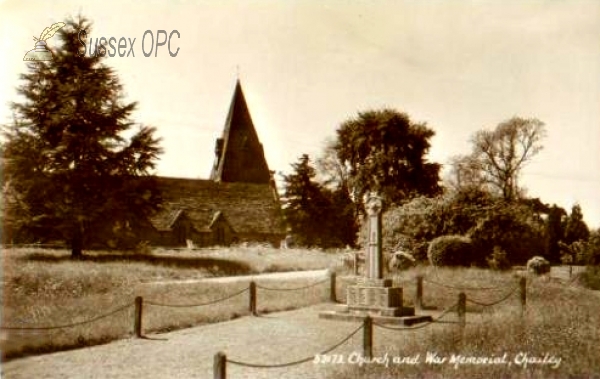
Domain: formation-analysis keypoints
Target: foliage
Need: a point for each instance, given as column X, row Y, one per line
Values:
column 411, row 226
column 538, row 265
column 317, row 216
column 576, row 229
column 66, row 160
column 385, row 151
column 501, row 153
column 591, row 254
column 514, row 228
column 498, row 260
column 401, row 260
column 450, row 250
column 590, row 278
column 555, row 232
column 466, row 173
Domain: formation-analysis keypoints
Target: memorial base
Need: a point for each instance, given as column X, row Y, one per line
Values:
column 379, row 300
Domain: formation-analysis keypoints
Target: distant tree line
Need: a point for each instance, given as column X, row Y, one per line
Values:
column 481, row 198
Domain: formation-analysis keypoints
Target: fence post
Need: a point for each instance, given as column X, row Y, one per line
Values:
column 332, row 287
column 523, row 292
column 220, row 366
column 462, row 309
column 253, row 298
column 137, row 326
column 368, row 337
column 419, row 293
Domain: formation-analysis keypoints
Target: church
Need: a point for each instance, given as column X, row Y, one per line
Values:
column 238, row 203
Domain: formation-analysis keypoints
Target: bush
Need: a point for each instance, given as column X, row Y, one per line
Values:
column 590, row 278
column 451, row 250
column 401, row 260
column 511, row 227
column 498, row 260
column 538, row 265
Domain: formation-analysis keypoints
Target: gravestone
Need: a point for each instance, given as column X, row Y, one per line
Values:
column 374, row 295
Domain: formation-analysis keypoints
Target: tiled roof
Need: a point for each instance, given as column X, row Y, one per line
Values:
column 247, row 207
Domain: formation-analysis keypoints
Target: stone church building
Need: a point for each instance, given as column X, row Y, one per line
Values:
column 238, row 203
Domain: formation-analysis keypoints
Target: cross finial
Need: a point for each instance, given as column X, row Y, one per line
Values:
column 237, row 71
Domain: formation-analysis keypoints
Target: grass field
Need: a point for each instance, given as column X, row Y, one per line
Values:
column 562, row 320
column 46, row 288
column 43, row 287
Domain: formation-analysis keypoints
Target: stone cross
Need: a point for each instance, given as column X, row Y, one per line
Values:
column 374, row 206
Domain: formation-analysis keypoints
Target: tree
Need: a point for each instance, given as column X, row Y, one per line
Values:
column 304, row 204
column 66, row 159
column 504, row 151
column 555, row 232
column 385, row 151
column 465, row 174
column 316, row 215
column 576, row 229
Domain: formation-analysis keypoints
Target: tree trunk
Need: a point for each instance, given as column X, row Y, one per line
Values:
column 77, row 243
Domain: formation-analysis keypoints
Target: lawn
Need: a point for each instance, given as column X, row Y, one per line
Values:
column 47, row 288
column 562, row 320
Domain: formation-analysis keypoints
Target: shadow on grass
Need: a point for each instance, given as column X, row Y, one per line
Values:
column 214, row 265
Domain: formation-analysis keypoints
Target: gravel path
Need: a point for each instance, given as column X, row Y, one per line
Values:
column 269, row 339
column 229, row 279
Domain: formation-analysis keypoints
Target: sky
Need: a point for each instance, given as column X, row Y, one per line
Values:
column 308, row 66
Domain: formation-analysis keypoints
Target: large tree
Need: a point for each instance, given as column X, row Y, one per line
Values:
column 576, row 229
column 317, row 216
column 383, row 150
column 502, row 153
column 67, row 160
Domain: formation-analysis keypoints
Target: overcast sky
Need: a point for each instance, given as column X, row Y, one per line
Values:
column 307, row 66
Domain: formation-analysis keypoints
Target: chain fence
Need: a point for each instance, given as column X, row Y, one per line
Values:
column 64, row 326
column 211, row 302
column 299, row 361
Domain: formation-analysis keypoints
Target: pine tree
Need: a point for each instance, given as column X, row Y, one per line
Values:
column 576, row 229
column 67, row 162
column 304, row 204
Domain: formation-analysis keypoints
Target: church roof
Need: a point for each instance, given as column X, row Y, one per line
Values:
column 247, row 207
column 239, row 155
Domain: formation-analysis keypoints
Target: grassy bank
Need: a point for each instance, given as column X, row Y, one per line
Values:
column 561, row 320
column 46, row 288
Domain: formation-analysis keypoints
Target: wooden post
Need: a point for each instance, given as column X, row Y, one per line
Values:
column 368, row 337
column 332, row 287
column 137, row 323
column 253, row 298
column 220, row 366
column 355, row 263
column 462, row 309
column 523, row 292
column 419, row 293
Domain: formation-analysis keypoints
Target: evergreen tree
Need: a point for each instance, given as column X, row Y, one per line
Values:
column 67, row 161
column 555, row 232
column 317, row 216
column 576, row 229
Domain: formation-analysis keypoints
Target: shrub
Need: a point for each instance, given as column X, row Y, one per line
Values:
column 538, row 265
column 401, row 260
column 590, row 278
column 513, row 228
column 497, row 260
column 451, row 250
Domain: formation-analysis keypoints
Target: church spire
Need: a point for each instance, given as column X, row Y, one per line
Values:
column 239, row 155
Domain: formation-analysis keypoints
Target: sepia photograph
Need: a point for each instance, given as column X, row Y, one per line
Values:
column 300, row 189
